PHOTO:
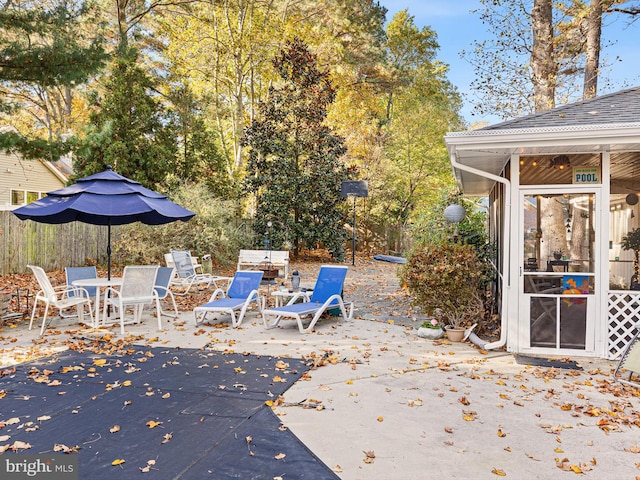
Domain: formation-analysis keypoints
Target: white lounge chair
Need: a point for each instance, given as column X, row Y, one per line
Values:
column 186, row 275
column 327, row 295
column 242, row 292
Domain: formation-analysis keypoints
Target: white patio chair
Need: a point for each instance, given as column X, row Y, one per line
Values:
column 58, row 297
column 80, row 273
column 162, row 288
column 137, row 291
column 186, row 275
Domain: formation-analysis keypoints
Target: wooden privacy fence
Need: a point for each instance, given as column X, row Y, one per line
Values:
column 51, row 247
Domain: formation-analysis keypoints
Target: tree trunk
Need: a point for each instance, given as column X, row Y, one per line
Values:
column 592, row 62
column 544, row 69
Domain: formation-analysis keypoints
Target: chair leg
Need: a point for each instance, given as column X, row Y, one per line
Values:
column 159, row 312
column 121, row 312
column 274, row 324
column 173, row 302
column 235, row 322
column 175, row 308
column 44, row 319
column 202, row 319
column 33, row 314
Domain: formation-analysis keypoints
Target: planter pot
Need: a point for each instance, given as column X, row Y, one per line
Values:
column 430, row 333
column 455, row 334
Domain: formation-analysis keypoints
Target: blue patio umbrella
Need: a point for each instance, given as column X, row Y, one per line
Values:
column 105, row 198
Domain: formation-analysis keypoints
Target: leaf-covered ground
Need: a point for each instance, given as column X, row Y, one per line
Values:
column 395, row 406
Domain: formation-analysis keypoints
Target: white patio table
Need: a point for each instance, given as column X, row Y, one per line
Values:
column 99, row 283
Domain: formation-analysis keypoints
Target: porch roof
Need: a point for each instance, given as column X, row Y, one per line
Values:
column 607, row 123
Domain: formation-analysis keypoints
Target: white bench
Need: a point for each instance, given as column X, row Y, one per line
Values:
column 255, row 258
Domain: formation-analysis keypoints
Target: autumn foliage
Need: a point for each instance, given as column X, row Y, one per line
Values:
column 448, row 277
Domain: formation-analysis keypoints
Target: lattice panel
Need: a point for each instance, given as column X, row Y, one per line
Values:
column 624, row 314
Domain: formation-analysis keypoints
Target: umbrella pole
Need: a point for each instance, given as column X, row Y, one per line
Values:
column 109, row 250
column 109, row 264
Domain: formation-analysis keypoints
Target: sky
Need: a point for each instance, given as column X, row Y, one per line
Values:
column 457, row 28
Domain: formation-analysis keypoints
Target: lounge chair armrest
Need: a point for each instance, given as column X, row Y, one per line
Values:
column 217, row 293
column 300, row 295
column 331, row 303
column 260, row 300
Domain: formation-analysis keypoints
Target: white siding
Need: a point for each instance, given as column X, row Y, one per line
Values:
column 24, row 175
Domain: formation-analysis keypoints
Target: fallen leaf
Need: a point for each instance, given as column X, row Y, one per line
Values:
column 114, row 429
column 167, row 438
column 118, row 461
column 152, row 424
column 280, row 456
column 380, row 419
column 500, row 473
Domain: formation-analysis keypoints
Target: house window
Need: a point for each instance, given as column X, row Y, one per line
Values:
column 21, row 197
column 17, row 197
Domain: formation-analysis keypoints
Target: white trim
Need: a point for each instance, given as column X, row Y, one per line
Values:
column 621, row 127
column 592, row 139
column 62, row 177
column 602, row 287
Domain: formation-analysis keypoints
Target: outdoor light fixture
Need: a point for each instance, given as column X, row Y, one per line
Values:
column 560, row 162
column 454, row 213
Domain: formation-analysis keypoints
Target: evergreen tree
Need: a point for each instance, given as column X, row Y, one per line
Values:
column 294, row 166
column 40, row 48
column 128, row 129
column 198, row 156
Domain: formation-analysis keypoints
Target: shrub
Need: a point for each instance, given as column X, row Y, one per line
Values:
column 448, row 277
column 211, row 231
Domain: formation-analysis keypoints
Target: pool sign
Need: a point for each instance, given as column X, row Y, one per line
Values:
column 584, row 175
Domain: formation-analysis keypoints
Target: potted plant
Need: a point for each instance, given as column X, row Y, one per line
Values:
column 449, row 277
column 631, row 241
column 431, row 329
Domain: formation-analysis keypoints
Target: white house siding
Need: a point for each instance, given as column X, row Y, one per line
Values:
column 25, row 175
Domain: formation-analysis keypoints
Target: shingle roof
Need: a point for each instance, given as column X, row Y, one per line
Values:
column 614, row 108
